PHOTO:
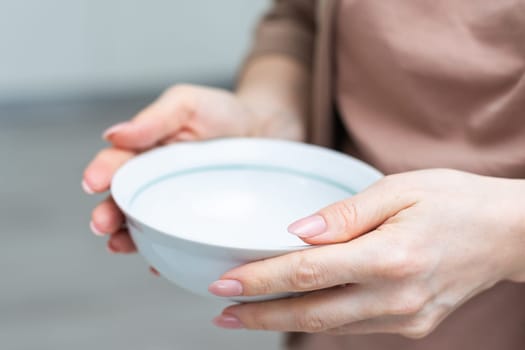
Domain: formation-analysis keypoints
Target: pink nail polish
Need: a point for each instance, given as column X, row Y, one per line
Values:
column 226, row 288
column 95, row 230
column 308, row 227
column 114, row 129
column 87, row 188
column 228, row 322
column 154, row 271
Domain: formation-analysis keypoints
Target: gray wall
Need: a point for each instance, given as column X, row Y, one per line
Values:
column 57, row 48
column 60, row 289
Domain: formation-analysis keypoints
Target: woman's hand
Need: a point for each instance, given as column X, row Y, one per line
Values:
column 415, row 246
column 183, row 113
column 271, row 101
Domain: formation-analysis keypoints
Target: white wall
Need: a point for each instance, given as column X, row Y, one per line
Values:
column 69, row 47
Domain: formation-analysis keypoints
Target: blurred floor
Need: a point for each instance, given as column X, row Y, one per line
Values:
column 59, row 287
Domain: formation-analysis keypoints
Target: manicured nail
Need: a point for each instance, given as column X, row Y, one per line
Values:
column 111, row 248
column 228, row 322
column 154, row 271
column 114, row 129
column 86, row 188
column 95, row 230
column 308, row 227
column 226, row 288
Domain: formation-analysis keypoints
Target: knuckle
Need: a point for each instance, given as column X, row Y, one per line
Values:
column 406, row 186
column 185, row 104
column 306, row 274
column 394, row 264
column 257, row 320
column 349, row 213
column 260, row 286
column 343, row 214
column 389, row 180
column 409, row 302
column 419, row 328
column 310, row 322
column 179, row 89
column 403, row 262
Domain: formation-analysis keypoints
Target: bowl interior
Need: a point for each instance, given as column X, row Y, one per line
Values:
column 240, row 193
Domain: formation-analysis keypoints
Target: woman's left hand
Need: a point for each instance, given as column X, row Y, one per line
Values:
column 413, row 248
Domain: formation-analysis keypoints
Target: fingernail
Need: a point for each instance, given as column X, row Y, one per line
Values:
column 154, row 271
column 308, row 227
column 226, row 288
column 95, row 230
column 111, row 248
column 114, row 129
column 228, row 322
column 86, row 188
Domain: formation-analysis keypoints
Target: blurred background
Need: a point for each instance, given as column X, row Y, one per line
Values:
column 68, row 70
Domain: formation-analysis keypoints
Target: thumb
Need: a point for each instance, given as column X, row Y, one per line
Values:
column 352, row 217
column 152, row 125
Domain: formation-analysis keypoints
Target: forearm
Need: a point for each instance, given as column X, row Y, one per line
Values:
column 516, row 224
column 277, row 89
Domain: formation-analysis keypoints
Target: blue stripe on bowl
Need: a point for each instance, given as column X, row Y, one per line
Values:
column 229, row 167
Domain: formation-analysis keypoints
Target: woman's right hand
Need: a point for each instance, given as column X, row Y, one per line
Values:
column 182, row 113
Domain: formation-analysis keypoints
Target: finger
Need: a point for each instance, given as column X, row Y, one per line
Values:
column 314, row 312
column 121, row 242
column 311, row 269
column 98, row 174
column 106, row 217
column 350, row 218
column 155, row 123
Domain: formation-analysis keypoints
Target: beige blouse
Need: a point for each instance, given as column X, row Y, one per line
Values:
column 411, row 84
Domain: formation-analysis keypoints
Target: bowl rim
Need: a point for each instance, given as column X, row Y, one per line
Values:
column 124, row 207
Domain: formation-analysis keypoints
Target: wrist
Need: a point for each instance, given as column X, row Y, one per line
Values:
column 517, row 228
column 276, row 89
column 271, row 117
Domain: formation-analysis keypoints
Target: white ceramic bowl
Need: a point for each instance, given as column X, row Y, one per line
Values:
column 195, row 210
